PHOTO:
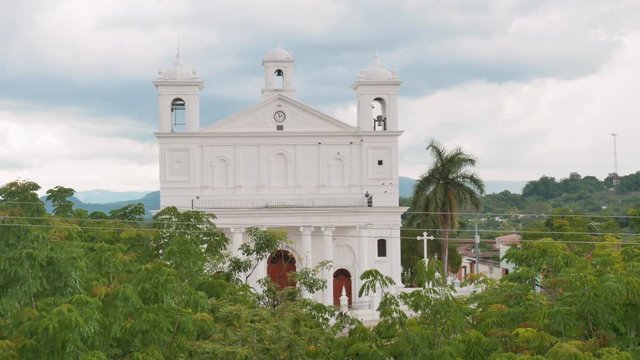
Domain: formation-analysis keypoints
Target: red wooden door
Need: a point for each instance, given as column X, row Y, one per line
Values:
column 341, row 278
column 280, row 265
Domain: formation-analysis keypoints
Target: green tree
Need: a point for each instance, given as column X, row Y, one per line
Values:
column 19, row 198
column 131, row 212
column 544, row 188
column 59, row 197
column 189, row 242
column 262, row 244
column 634, row 219
column 444, row 189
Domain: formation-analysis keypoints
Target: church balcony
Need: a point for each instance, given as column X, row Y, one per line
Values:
column 319, row 202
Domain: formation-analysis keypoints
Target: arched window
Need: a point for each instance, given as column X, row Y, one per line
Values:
column 280, row 170
column 382, row 248
column 221, row 173
column 178, row 118
column 379, row 114
column 279, row 79
column 337, row 172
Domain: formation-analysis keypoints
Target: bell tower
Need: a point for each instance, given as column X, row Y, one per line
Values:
column 278, row 73
column 178, row 98
column 377, row 94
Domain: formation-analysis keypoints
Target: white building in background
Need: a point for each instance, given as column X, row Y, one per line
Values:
column 282, row 164
column 504, row 243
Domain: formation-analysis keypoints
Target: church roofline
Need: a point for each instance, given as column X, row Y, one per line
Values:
column 360, row 82
column 278, row 61
column 356, row 132
column 176, row 83
column 281, row 97
column 355, row 211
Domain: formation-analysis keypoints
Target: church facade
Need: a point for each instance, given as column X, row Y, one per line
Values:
column 282, row 164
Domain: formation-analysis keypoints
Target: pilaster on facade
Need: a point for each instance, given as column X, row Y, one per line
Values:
column 327, row 254
column 306, row 245
column 396, row 256
column 363, row 262
column 236, row 239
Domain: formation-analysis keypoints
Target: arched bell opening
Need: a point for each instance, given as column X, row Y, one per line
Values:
column 178, row 115
column 379, row 114
column 279, row 79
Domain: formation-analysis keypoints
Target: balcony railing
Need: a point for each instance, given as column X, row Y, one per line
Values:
column 341, row 202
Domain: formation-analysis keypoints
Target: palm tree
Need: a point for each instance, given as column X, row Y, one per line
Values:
column 444, row 189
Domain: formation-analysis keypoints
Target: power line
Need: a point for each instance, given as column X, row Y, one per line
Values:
column 593, row 216
column 461, row 240
column 523, row 215
column 471, row 214
column 160, row 222
column 513, row 231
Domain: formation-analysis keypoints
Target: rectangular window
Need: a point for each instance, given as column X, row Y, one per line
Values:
column 279, row 127
column 380, row 162
column 382, row 248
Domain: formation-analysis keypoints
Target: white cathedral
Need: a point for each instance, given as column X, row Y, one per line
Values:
column 282, row 164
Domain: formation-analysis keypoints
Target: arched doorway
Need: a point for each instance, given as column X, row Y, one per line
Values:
column 341, row 278
column 280, row 264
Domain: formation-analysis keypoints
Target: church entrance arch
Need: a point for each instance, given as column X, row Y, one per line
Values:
column 341, row 279
column 280, row 265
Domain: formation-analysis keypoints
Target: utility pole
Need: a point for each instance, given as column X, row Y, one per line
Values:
column 424, row 238
column 477, row 240
column 615, row 153
column 615, row 178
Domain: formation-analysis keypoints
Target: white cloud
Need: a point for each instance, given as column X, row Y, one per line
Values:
column 66, row 147
column 89, row 40
column 99, row 39
column 566, row 77
column 522, row 130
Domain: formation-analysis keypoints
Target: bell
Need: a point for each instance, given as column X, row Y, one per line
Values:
column 380, row 123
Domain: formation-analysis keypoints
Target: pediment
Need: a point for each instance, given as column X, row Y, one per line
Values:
column 262, row 117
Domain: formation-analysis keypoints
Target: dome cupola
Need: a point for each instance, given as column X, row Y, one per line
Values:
column 376, row 72
column 277, row 54
column 179, row 71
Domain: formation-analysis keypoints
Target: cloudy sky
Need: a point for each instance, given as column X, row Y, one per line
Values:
column 529, row 87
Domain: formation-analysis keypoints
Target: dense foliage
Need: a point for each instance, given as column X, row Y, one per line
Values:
column 580, row 196
column 100, row 287
column 548, row 188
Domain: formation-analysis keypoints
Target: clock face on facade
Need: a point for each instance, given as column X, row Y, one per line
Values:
column 279, row 116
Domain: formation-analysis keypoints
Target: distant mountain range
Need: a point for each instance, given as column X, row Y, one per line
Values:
column 491, row 187
column 106, row 196
column 151, row 201
column 105, row 200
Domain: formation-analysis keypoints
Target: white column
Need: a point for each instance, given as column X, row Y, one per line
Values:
column 236, row 240
column 306, row 245
column 363, row 248
column 363, row 258
column 327, row 254
column 396, row 257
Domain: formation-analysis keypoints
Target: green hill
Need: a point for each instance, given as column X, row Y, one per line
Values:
column 151, row 202
column 491, row 187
